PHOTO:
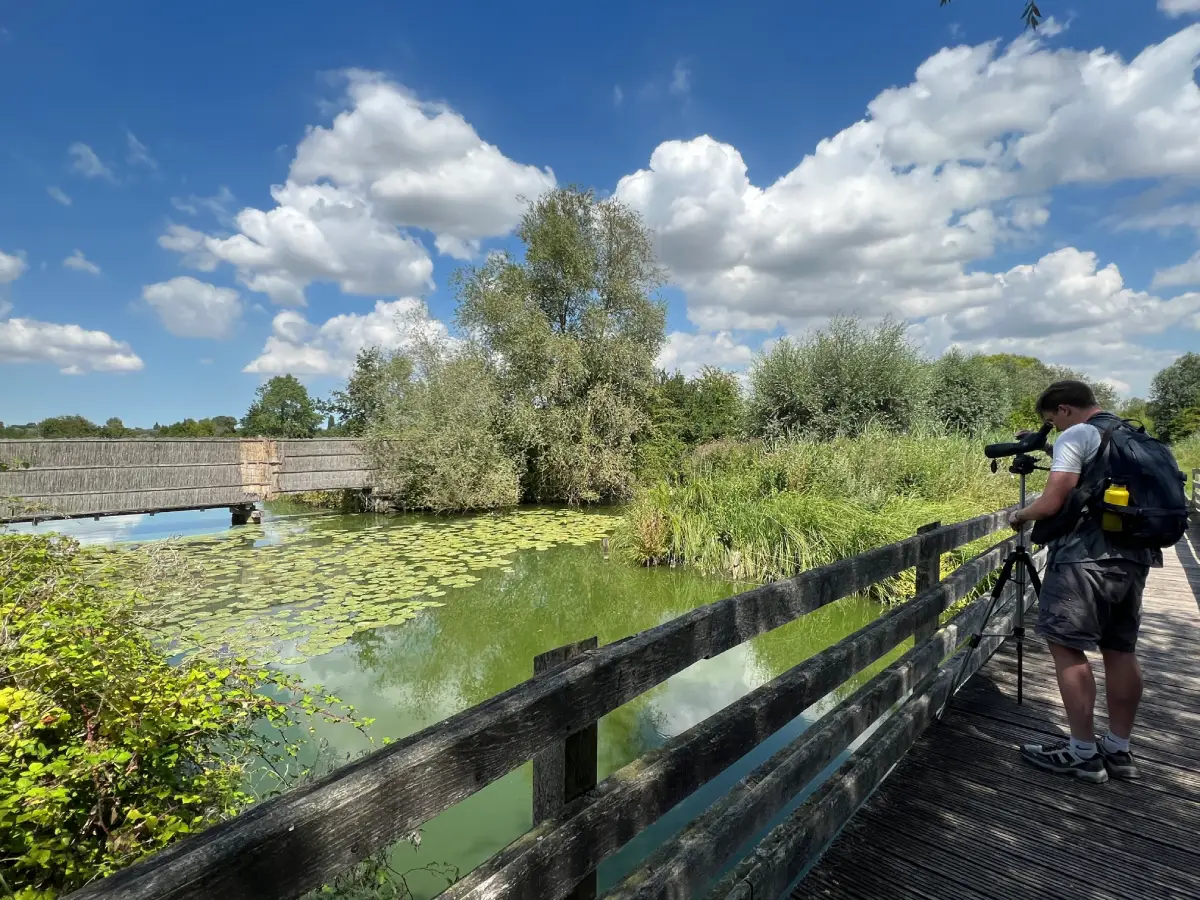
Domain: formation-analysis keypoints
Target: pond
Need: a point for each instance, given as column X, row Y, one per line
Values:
column 412, row 618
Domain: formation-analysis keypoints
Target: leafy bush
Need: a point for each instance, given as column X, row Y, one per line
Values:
column 437, row 444
column 839, row 381
column 108, row 752
column 968, row 394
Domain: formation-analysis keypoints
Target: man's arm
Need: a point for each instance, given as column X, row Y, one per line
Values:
column 1058, row 486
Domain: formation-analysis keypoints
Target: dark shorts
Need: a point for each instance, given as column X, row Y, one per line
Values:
column 1092, row 605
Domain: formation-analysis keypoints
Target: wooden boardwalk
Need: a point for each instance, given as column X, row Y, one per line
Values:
column 962, row 816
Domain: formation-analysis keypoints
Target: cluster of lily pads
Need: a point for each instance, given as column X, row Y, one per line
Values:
column 312, row 589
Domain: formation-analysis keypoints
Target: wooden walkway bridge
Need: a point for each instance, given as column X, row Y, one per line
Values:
column 82, row 477
column 958, row 815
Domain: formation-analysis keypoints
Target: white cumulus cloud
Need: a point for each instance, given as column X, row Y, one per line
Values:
column 192, row 308
column 85, row 162
column 1175, row 8
column 298, row 347
column 73, row 349
column 81, row 263
column 388, row 162
column 1186, row 273
column 12, row 266
column 892, row 214
column 689, row 353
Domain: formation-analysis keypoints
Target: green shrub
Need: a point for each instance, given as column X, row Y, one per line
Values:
column 438, row 444
column 108, row 752
column 839, row 381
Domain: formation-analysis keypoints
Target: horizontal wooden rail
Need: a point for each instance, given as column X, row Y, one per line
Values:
column 686, row 863
column 558, row 854
column 797, row 842
column 295, row 842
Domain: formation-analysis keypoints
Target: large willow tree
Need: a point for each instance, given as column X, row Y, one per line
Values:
column 571, row 331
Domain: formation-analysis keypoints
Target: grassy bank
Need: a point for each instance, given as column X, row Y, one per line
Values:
column 750, row 511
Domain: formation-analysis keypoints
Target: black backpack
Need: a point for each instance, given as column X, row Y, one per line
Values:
column 1157, row 514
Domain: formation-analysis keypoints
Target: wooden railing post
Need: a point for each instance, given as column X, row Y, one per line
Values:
column 567, row 770
column 929, row 573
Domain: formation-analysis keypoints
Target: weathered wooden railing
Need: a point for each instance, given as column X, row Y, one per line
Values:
column 298, row 841
column 1195, row 496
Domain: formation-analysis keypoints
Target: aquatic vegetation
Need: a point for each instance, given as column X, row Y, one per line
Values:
column 312, row 589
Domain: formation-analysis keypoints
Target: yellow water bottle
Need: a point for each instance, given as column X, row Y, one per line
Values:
column 1117, row 495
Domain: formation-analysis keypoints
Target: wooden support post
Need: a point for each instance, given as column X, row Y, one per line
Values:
column 565, row 771
column 929, row 573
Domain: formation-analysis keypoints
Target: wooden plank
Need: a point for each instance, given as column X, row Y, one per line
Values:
column 928, row 572
column 1057, row 833
column 566, row 771
column 980, row 853
column 795, row 843
column 547, row 860
column 683, row 865
column 294, row 842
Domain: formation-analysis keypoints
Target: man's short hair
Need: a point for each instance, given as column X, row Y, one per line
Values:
column 1066, row 393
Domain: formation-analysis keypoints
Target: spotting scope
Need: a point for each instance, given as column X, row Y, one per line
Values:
column 1034, row 440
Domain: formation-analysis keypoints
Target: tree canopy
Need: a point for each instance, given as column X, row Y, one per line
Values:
column 282, row 408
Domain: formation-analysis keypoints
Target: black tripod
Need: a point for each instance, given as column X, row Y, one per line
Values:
column 1021, row 562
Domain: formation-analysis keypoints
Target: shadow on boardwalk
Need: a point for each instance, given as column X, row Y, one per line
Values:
column 962, row 816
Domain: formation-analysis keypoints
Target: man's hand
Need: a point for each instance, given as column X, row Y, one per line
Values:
column 1015, row 521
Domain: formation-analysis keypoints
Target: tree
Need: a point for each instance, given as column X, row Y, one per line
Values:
column 968, row 394
column 571, row 332
column 224, row 426
column 282, row 408
column 838, row 381
column 67, row 427
column 1173, row 391
column 436, row 441
column 715, row 408
column 362, row 402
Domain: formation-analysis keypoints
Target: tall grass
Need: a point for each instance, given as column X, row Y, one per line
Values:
column 1187, row 454
column 756, row 512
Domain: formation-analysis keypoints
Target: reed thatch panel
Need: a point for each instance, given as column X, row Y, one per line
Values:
column 291, row 465
column 118, row 479
column 84, row 452
column 318, row 447
column 323, row 481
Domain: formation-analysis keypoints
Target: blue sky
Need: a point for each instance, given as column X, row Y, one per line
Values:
column 192, row 199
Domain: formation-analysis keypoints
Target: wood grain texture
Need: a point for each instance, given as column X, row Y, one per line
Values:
column 928, row 571
column 793, row 845
column 564, row 772
column 964, row 816
column 292, row 843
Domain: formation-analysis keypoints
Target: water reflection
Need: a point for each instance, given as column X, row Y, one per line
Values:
column 483, row 641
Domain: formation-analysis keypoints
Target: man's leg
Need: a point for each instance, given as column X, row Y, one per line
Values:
column 1077, row 685
column 1123, row 686
column 1067, row 620
column 1122, row 674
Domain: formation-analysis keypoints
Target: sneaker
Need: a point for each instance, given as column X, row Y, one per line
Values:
column 1119, row 764
column 1059, row 758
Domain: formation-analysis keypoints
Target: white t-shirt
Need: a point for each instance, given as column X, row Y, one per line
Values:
column 1075, row 448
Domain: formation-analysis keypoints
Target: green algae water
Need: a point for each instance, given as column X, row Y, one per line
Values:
column 412, row 619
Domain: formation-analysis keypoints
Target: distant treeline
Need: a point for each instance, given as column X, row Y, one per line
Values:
column 78, row 426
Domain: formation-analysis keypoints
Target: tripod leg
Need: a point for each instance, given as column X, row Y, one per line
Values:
column 1035, row 581
column 977, row 637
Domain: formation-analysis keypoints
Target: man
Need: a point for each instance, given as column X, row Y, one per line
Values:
column 1091, row 599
